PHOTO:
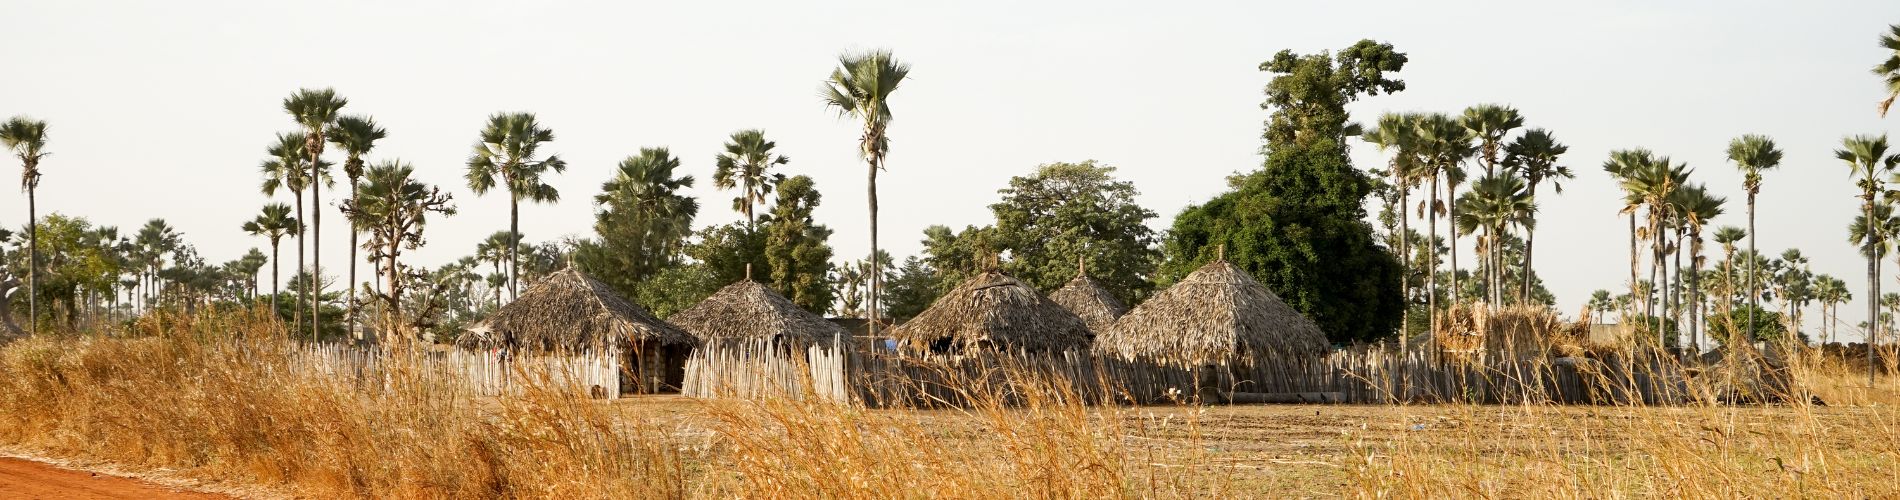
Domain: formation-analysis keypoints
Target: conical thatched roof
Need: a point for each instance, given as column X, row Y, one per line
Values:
column 749, row 309
column 1089, row 300
column 994, row 311
column 569, row 311
column 1215, row 315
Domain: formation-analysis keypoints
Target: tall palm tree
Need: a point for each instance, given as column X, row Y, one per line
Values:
column 1832, row 292
column 509, row 151
column 1444, row 143
column 1654, row 184
column 1889, row 70
column 316, row 111
column 1490, row 123
column 1534, row 157
column 1697, row 206
column 1600, row 301
column 356, row 136
column 1621, row 165
column 748, row 155
column 1493, row 205
column 273, row 224
column 861, row 87
column 26, row 138
column 1870, row 164
column 1753, row 154
column 155, row 239
column 283, row 169
column 1397, row 133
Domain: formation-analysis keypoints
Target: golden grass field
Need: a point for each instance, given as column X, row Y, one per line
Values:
column 191, row 399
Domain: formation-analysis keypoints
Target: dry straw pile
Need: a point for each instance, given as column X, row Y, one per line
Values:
column 994, row 311
column 571, row 311
column 750, row 310
column 1217, row 315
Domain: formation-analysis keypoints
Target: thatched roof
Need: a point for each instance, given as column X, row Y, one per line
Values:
column 1217, row 314
column 749, row 309
column 992, row 310
column 568, row 311
column 1089, row 300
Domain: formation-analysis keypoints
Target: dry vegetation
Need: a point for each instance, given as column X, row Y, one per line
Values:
column 217, row 397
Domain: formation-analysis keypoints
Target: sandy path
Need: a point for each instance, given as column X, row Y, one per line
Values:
column 25, row 479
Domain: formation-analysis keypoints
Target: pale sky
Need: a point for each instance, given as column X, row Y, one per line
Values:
column 163, row 109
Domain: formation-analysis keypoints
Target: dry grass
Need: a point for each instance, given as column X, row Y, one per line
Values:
column 194, row 398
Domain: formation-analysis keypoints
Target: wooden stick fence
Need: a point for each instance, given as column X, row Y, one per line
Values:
column 836, row 371
column 486, row 373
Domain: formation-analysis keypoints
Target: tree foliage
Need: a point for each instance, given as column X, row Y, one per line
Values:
column 1298, row 224
column 797, row 256
column 1063, row 213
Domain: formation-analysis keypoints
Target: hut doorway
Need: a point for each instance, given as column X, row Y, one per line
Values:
column 652, row 368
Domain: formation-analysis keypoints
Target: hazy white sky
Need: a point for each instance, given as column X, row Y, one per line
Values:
column 163, row 109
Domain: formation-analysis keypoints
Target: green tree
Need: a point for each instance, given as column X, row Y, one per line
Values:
column 356, row 136
column 795, row 246
column 1767, row 325
column 1753, row 154
column 1621, row 166
column 1600, row 302
column 744, row 165
column 641, row 222
column 1298, row 224
column 1398, row 133
column 730, row 252
column 1727, row 237
column 26, row 139
column 954, row 256
column 913, row 287
column 509, row 150
column 283, row 169
column 1069, row 212
column 847, row 279
column 273, row 224
column 1490, row 123
column 1870, row 164
column 1698, row 207
column 1444, row 144
column 316, row 111
column 1653, row 184
column 1534, row 157
column 861, row 88
column 393, row 207
column 675, row 288
column 1495, row 204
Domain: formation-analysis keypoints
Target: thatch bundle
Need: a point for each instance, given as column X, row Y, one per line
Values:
column 1514, row 331
column 993, row 311
column 1089, row 300
column 571, row 311
column 1217, row 315
column 750, row 310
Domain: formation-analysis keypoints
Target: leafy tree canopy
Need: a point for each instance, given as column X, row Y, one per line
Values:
column 1066, row 212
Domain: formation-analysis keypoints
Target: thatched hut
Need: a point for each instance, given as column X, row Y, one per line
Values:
column 750, row 310
column 1089, row 300
column 1217, row 315
column 992, row 311
column 571, row 312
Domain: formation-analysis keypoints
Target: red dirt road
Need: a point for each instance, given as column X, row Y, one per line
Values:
column 25, row 479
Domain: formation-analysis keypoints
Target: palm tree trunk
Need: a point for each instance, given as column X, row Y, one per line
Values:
column 1753, row 295
column 1405, row 265
column 273, row 280
column 316, row 247
column 1431, row 262
column 1675, row 296
column 1652, row 300
column 32, row 262
column 393, row 329
column 1451, row 210
column 876, row 271
column 1530, row 242
column 1873, row 282
column 1634, row 262
column 351, row 321
column 514, row 241
column 1695, row 292
column 296, row 313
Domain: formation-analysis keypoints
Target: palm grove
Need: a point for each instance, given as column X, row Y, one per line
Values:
column 1299, row 223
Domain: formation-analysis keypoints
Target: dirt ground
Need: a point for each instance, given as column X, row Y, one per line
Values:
column 26, row 479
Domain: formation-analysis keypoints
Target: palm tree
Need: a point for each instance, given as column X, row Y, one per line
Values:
column 155, row 239
column 1397, row 133
column 1621, row 165
column 26, row 138
column 1697, row 207
column 273, row 224
column 494, row 250
column 861, row 87
column 1753, row 154
column 1832, row 292
column 1444, row 143
column 1654, row 184
column 509, row 150
column 1727, row 236
column 283, row 168
column 1494, row 204
column 748, row 155
column 1867, row 158
column 356, row 136
column 645, row 191
column 316, row 111
column 1889, row 70
column 1534, row 156
column 1490, row 123
column 393, row 208
column 1600, row 301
